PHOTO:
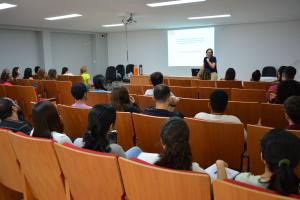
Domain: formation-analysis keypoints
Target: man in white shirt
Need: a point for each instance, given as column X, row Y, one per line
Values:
column 218, row 103
column 156, row 79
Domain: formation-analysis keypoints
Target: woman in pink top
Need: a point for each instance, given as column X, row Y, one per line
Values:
column 6, row 78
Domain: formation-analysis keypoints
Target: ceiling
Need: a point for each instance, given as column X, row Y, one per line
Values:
column 96, row 13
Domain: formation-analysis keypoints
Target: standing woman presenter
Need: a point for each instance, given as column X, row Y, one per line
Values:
column 210, row 63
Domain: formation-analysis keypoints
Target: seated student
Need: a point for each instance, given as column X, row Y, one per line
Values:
column 43, row 74
column 218, row 103
column 176, row 154
column 37, row 70
column 86, row 77
column 10, row 117
column 101, row 121
column 52, row 75
column 156, row 79
column 121, row 100
column 292, row 112
column 16, row 72
column 65, row 71
column 165, row 103
column 279, row 74
column 280, row 152
column 205, row 75
column 288, row 74
column 285, row 89
column 230, row 75
column 99, row 83
column 256, row 76
column 79, row 92
column 47, row 122
column 6, row 78
column 28, row 74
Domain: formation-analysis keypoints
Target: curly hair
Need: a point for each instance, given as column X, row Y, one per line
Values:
column 205, row 75
column 100, row 119
column 286, row 89
column 177, row 154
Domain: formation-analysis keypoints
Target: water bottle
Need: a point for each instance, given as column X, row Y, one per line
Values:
column 141, row 69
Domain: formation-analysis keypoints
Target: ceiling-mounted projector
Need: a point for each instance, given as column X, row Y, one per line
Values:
column 129, row 21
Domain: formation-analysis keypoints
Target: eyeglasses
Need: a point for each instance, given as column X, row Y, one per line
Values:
column 208, row 52
column 284, row 110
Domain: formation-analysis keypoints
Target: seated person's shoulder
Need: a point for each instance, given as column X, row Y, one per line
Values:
column 202, row 115
column 149, row 92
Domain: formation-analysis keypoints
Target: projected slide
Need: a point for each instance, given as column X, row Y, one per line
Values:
column 187, row 47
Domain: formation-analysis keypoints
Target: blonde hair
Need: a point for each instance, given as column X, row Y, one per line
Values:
column 205, row 75
column 82, row 70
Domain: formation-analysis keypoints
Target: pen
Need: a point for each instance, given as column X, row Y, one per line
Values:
column 216, row 172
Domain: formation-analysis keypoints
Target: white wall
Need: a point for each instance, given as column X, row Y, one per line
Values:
column 244, row 47
column 19, row 49
column 70, row 50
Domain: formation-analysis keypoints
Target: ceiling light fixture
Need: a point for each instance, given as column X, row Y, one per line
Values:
column 168, row 3
column 111, row 25
column 63, row 17
column 6, row 5
column 208, row 17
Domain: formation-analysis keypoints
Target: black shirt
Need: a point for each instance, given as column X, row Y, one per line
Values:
column 15, row 126
column 133, row 108
column 162, row 113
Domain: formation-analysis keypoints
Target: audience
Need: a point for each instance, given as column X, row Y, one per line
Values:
column 37, row 70
column 256, row 76
column 16, row 72
column 230, row 75
column 205, row 75
column 101, row 121
column 218, row 103
column 280, row 152
column 52, row 75
column 156, row 79
column 99, row 83
column 292, row 112
column 6, row 78
column 287, row 74
column 121, row 100
column 65, row 71
column 279, row 74
column 10, row 116
column 43, row 74
column 165, row 103
column 285, row 89
column 47, row 122
column 28, row 74
column 79, row 92
column 86, row 77
column 176, row 154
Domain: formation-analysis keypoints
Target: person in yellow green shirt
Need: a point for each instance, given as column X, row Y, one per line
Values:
column 86, row 77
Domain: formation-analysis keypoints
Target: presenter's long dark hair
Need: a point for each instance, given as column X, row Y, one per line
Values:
column 277, row 145
column 177, row 154
column 100, row 119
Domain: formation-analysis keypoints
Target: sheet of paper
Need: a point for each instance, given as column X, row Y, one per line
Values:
column 213, row 169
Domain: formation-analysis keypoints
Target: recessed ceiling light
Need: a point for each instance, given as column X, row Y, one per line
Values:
column 208, row 17
column 6, row 5
column 112, row 25
column 168, row 3
column 63, row 17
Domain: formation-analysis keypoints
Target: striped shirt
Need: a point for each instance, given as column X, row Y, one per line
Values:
column 15, row 126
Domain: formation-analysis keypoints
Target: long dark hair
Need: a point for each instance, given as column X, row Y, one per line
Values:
column 15, row 72
column 177, row 154
column 45, row 120
column 280, row 70
column 230, row 74
column 64, row 70
column 100, row 119
column 27, row 73
column 52, row 74
column 119, row 97
column 277, row 145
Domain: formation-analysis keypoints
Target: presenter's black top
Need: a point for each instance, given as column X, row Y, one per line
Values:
column 206, row 65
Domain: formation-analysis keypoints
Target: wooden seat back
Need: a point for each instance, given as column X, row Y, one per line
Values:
column 51, row 90
column 166, row 81
column 75, row 120
column 227, row 140
column 147, row 129
column 229, row 84
column 248, row 95
column 272, row 115
column 135, row 89
column 203, row 83
column 35, row 76
column 204, row 92
column 28, row 94
column 75, row 79
column 185, row 92
column 90, row 174
column 180, row 82
column 95, row 98
column 23, row 82
column 42, row 173
column 145, row 101
column 257, row 85
column 40, row 88
column 2, row 91
column 147, row 182
column 190, row 107
column 14, row 82
column 63, row 78
column 64, row 92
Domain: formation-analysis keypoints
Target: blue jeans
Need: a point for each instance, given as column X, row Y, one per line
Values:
column 133, row 152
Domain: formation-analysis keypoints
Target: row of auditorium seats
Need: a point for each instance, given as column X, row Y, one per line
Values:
column 69, row 172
